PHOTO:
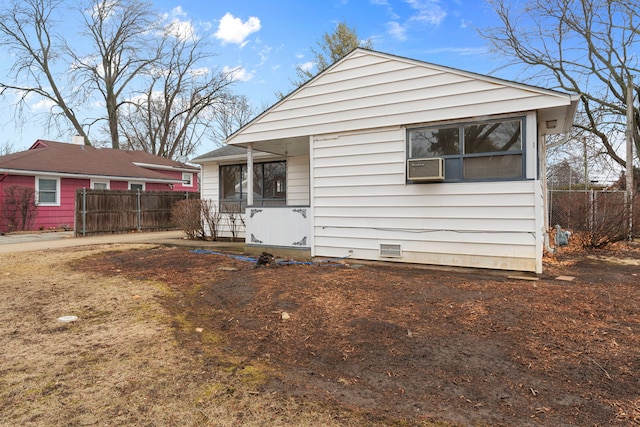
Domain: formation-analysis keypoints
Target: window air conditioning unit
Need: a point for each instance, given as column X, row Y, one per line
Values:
column 431, row 169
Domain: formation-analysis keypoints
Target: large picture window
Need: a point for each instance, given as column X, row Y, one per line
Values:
column 491, row 150
column 269, row 185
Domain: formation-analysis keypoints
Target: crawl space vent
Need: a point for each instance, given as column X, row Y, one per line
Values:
column 390, row 251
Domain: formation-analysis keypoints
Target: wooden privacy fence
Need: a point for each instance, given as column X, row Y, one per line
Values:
column 110, row 211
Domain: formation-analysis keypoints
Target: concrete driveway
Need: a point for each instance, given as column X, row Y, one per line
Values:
column 20, row 242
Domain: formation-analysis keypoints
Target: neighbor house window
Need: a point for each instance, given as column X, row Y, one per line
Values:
column 48, row 191
column 187, row 179
column 100, row 185
column 269, row 185
column 491, row 150
column 136, row 186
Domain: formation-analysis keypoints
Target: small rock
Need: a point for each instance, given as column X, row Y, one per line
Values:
column 285, row 315
column 67, row 319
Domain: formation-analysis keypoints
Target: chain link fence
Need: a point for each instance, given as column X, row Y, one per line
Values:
column 600, row 215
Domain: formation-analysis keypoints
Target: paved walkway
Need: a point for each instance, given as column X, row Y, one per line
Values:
column 19, row 242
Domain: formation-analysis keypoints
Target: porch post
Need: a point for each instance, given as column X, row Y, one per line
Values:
column 250, row 174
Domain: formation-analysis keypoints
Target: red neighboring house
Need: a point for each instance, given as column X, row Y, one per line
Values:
column 56, row 170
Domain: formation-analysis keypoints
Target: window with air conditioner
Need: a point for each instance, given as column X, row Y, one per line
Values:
column 471, row 151
column 428, row 169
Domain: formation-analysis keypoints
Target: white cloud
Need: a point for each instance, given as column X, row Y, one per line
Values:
column 427, row 11
column 423, row 12
column 385, row 4
column 233, row 30
column 178, row 11
column 179, row 27
column 397, row 31
column 43, row 105
column 182, row 30
column 103, row 10
column 238, row 73
column 264, row 55
column 307, row 66
column 463, row 51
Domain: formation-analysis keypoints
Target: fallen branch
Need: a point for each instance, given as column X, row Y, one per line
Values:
column 603, row 370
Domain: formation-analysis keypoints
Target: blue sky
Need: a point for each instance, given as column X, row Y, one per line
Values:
column 265, row 41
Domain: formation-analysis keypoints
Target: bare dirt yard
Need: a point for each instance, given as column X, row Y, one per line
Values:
column 171, row 336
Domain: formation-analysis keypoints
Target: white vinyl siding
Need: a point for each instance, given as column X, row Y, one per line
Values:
column 210, row 181
column 298, row 181
column 370, row 90
column 210, row 191
column 361, row 201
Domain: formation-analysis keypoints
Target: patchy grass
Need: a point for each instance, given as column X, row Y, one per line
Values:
column 121, row 362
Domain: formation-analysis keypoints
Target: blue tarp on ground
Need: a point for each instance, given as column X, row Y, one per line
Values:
column 255, row 260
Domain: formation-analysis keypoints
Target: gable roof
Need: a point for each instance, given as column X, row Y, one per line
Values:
column 58, row 158
column 368, row 89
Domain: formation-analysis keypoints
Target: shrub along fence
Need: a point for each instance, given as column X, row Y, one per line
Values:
column 110, row 211
column 601, row 216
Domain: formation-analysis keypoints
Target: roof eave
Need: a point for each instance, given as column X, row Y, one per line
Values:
column 235, row 157
column 184, row 168
column 87, row 176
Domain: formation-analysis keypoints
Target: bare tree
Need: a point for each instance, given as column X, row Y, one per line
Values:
column 230, row 116
column 170, row 117
column 27, row 30
column 7, row 147
column 123, row 46
column 122, row 43
column 586, row 47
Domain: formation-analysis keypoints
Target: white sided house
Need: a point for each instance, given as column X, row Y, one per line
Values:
column 387, row 158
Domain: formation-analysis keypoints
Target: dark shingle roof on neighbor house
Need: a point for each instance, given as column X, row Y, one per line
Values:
column 66, row 158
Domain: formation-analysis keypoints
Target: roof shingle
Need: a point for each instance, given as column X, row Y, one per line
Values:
column 65, row 158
